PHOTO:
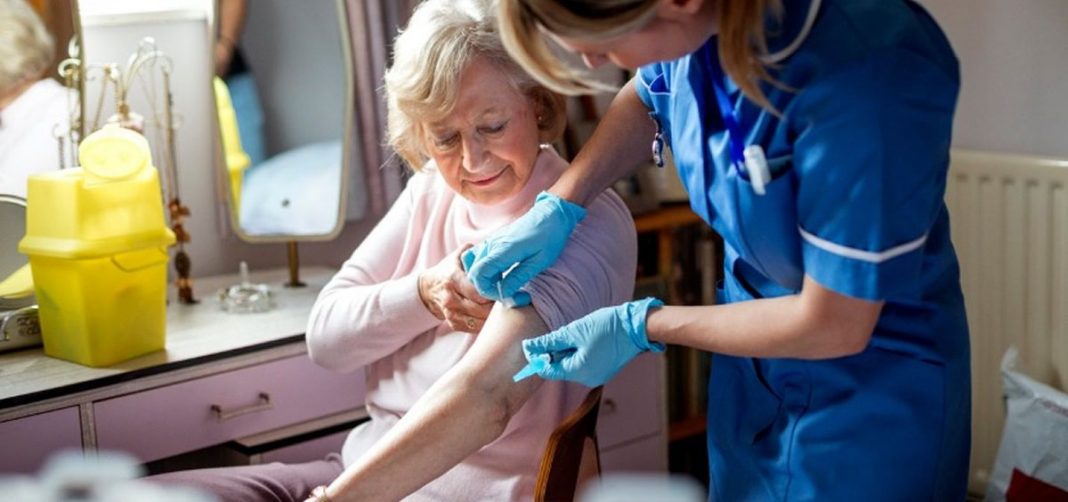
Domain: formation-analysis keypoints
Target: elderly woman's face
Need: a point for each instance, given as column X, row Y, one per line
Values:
column 485, row 149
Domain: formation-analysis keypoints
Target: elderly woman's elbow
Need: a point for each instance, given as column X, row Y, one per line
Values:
column 328, row 356
column 491, row 401
column 318, row 356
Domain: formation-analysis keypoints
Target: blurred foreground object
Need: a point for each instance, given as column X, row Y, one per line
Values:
column 106, row 476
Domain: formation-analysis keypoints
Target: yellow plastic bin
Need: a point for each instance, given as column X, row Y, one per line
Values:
column 97, row 244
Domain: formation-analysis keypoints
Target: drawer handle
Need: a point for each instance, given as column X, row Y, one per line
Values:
column 263, row 404
column 609, row 406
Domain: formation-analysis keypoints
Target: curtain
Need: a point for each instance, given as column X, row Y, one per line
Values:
column 373, row 24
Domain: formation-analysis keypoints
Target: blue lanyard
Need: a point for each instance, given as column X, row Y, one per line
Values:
column 726, row 111
column 749, row 162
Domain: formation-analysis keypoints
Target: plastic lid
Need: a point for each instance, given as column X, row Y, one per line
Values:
column 114, row 153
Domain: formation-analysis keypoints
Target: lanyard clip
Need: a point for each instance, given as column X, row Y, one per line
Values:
column 658, row 142
column 756, row 165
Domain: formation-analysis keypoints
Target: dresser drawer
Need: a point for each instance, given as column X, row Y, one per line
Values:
column 307, row 451
column 644, row 455
column 632, row 405
column 183, row 417
column 27, row 442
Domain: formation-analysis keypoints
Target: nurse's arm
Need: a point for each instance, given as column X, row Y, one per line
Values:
column 816, row 323
column 620, row 143
column 463, row 411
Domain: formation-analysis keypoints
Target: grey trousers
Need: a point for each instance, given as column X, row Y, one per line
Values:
column 274, row 482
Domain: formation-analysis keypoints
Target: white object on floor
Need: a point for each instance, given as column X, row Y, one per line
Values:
column 630, row 487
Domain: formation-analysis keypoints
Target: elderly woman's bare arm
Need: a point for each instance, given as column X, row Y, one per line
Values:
column 466, row 409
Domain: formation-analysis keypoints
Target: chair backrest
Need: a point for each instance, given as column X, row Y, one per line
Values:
column 571, row 454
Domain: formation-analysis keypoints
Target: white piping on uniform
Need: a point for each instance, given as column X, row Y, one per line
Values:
column 860, row 254
column 810, row 19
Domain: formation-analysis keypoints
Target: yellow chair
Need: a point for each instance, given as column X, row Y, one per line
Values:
column 236, row 158
column 571, row 455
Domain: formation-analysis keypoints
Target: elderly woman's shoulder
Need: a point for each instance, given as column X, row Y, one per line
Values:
column 609, row 213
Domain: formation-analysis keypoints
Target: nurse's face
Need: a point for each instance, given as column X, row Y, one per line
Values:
column 485, row 149
column 679, row 28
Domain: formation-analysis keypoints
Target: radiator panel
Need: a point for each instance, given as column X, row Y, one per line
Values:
column 1009, row 217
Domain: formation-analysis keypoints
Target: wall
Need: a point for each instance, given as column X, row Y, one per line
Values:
column 1014, row 71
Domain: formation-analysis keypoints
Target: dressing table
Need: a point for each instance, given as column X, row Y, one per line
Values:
column 221, row 377
column 224, row 377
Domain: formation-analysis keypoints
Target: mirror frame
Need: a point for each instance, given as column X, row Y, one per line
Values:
column 76, row 20
column 347, row 133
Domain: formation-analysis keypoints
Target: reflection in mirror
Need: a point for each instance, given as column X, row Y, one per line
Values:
column 288, row 79
column 16, row 286
column 18, row 310
column 35, row 109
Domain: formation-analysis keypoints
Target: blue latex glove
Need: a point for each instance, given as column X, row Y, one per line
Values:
column 532, row 243
column 519, row 299
column 591, row 350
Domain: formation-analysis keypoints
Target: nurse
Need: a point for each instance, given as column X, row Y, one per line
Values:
column 813, row 136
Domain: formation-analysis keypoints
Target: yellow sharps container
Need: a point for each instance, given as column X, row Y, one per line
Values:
column 97, row 244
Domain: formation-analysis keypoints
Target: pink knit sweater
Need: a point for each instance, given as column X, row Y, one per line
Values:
column 370, row 316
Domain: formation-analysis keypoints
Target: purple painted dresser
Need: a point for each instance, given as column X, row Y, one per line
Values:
column 246, row 381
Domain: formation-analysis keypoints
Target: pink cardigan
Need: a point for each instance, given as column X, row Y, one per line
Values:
column 370, row 316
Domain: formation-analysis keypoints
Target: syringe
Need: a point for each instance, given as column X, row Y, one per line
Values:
column 536, row 365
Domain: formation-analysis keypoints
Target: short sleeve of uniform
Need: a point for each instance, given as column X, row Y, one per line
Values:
column 650, row 82
column 871, row 151
column 596, row 268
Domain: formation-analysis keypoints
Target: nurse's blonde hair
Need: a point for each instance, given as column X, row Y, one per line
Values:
column 26, row 48
column 442, row 39
column 742, row 41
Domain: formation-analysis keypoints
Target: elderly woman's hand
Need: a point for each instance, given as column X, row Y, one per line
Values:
column 450, row 296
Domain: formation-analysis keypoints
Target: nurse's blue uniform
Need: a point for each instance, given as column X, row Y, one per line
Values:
column 858, row 161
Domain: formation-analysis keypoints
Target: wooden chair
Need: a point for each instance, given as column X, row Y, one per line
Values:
column 571, row 454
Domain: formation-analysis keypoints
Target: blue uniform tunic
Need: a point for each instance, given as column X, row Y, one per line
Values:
column 859, row 159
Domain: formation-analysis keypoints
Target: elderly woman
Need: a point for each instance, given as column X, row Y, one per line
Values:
column 447, row 421
column 33, row 111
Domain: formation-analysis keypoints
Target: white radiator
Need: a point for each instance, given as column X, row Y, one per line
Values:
column 1009, row 219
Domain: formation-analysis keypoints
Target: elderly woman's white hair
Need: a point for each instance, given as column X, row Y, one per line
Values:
column 442, row 39
column 26, row 48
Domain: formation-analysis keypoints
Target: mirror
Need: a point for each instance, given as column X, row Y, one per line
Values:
column 18, row 310
column 290, row 94
column 36, row 107
column 14, row 276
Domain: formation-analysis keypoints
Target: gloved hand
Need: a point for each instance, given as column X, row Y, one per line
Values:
column 532, row 243
column 519, row 299
column 591, row 350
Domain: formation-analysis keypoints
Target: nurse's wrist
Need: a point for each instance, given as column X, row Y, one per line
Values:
column 639, row 312
column 570, row 192
column 570, row 211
